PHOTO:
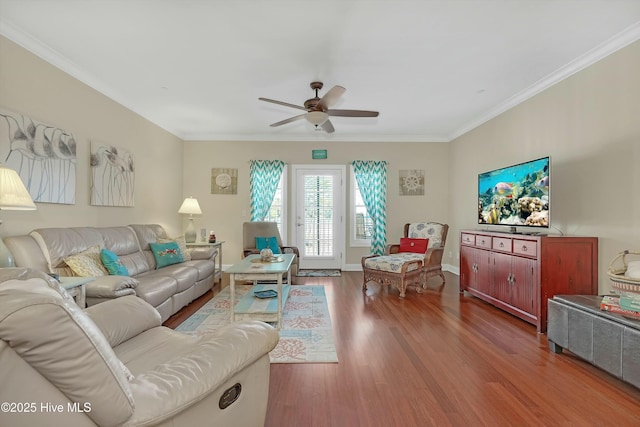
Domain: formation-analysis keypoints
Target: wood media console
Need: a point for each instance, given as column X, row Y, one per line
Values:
column 518, row 273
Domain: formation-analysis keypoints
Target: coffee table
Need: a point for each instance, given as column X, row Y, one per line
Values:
column 252, row 269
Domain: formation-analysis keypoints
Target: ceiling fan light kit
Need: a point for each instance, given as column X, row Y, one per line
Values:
column 316, row 117
column 318, row 109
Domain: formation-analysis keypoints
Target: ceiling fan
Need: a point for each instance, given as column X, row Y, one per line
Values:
column 318, row 109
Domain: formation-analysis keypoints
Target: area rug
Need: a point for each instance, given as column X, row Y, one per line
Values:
column 306, row 335
column 318, row 273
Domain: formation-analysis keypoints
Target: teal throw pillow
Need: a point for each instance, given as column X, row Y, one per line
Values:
column 166, row 253
column 268, row 243
column 112, row 263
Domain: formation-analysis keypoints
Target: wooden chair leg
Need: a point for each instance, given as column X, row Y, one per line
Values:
column 402, row 287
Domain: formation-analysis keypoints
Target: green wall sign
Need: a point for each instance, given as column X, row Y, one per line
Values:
column 318, row 154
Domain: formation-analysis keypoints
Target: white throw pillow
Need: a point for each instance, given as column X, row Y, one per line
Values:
column 87, row 263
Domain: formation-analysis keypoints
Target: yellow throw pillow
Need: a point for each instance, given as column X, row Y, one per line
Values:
column 87, row 263
column 182, row 244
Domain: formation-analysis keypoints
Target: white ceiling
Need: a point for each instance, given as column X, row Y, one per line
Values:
column 433, row 68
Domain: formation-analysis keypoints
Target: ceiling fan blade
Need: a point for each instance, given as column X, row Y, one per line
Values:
column 289, row 120
column 286, row 104
column 328, row 127
column 352, row 113
column 330, row 98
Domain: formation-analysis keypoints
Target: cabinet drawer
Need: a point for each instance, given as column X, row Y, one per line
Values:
column 525, row 247
column 468, row 239
column 501, row 244
column 483, row 241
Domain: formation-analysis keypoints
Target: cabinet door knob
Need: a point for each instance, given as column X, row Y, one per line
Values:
column 524, row 248
column 501, row 245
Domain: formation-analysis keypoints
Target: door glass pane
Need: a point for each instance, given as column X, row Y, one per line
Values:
column 318, row 215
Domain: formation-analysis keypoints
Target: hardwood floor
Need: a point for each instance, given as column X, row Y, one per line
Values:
column 440, row 359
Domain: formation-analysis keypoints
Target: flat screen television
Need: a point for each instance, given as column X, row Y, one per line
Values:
column 515, row 195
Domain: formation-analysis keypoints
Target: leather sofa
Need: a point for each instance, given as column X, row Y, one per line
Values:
column 113, row 364
column 168, row 289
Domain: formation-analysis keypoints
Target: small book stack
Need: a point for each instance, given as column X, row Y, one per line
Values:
column 626, row 304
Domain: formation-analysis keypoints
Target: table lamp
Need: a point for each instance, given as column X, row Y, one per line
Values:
column 13, row 197
column 190, row 206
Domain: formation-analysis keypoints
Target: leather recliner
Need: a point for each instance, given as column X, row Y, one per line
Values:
column 113, row 364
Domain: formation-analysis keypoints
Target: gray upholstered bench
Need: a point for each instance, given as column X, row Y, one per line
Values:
column 608, row 341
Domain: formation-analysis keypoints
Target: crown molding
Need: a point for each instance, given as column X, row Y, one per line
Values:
column 55, row 58
column 320, row 137
column 613, row 44
column 50, row 55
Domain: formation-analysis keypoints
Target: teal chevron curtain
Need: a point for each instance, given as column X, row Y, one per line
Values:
column 372, row 181
column 264, row 176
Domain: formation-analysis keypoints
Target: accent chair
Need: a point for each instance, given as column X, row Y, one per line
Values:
column 411, row 262
column 266, row 229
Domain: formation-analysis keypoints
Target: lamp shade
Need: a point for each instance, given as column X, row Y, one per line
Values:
column 190, row 206
column 13, row 193
column 317, row 117
column 13, row 196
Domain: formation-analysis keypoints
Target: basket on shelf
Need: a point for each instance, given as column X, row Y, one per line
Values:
column 616, row 273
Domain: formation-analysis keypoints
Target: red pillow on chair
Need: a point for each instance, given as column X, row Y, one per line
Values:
column 418, row 246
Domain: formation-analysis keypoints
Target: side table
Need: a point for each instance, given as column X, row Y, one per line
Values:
column 217, row 273
column 76, row 286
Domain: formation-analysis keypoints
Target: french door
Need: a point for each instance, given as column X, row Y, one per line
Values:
column 318, row 220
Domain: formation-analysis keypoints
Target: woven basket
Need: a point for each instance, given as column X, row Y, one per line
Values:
column 619, row 281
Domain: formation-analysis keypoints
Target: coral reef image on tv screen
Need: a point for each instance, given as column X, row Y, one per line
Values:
column 515, row 195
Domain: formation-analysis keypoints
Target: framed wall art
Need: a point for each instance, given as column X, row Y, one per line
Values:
column 224, row 181
column 411, row 182
column 112, row 175
column 43, row 155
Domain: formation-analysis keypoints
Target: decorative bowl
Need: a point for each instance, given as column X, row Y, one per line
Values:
column 266, row 254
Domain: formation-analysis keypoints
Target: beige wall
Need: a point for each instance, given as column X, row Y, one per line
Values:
column 226, row 213
column 34, row 88
column 590, row 126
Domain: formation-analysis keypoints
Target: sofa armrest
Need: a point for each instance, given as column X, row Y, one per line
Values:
column 203, row 253
column 123, row 318
column 391, row 249
column 250, row 251
column 111, row 287
column 290, row 250
column 203, row 366
column 23, row 273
